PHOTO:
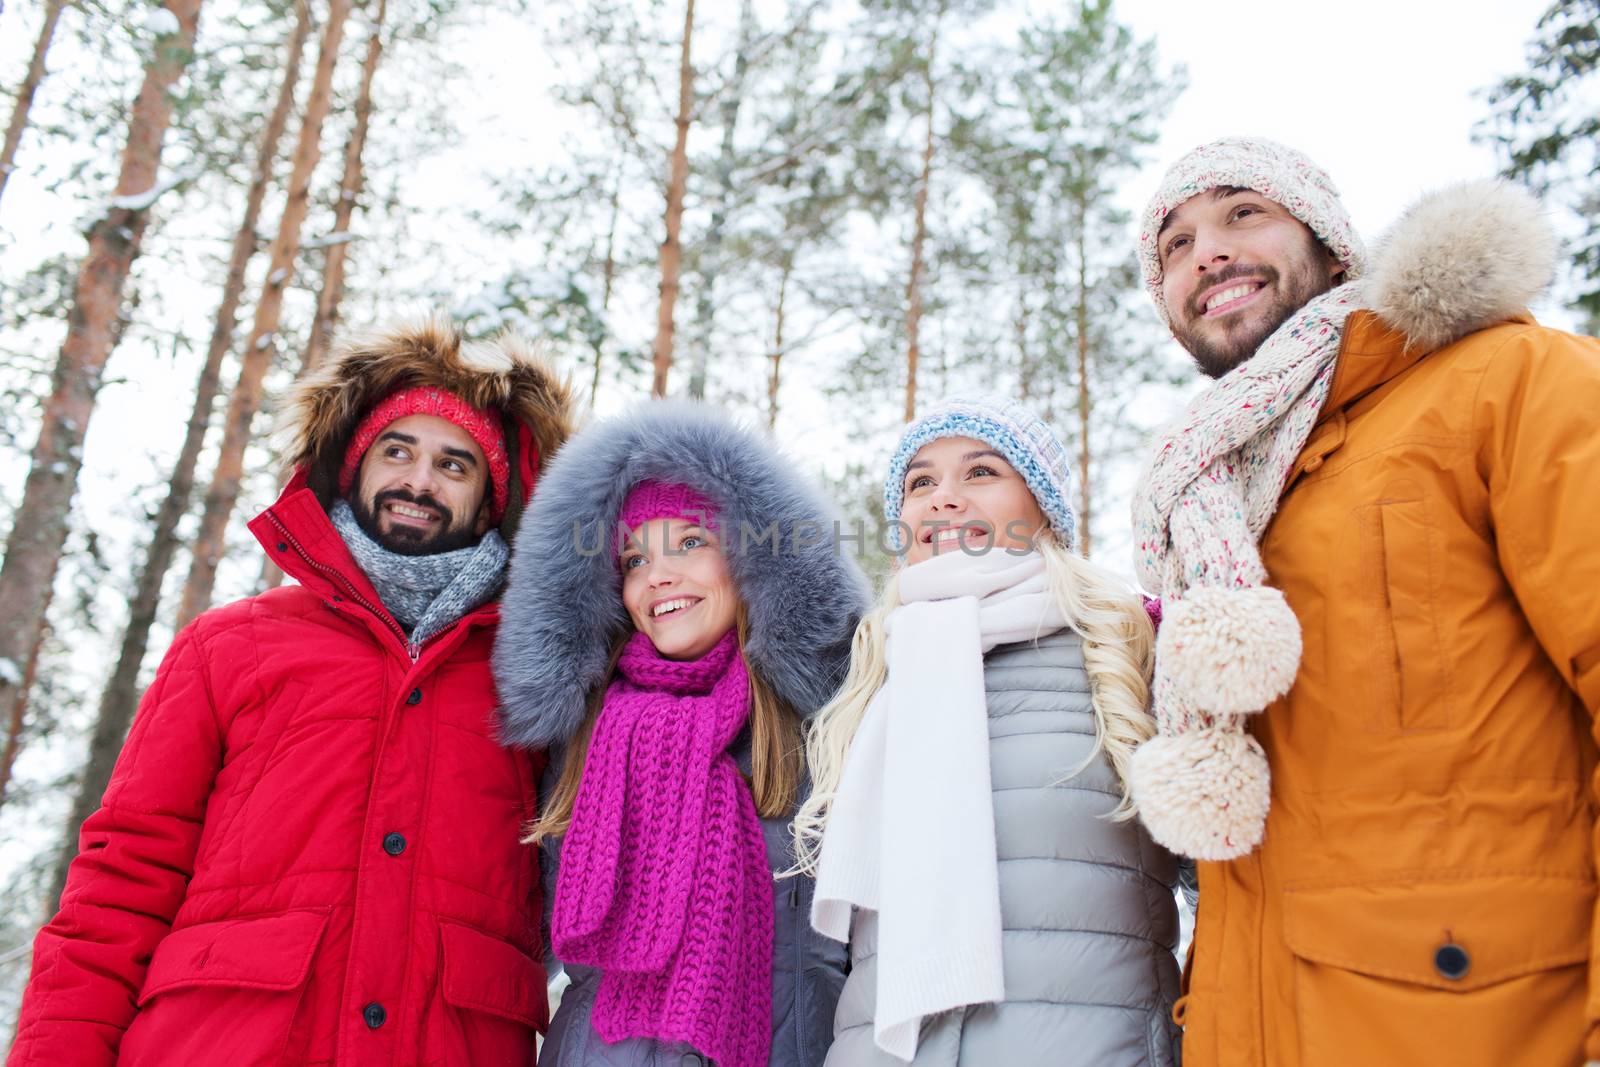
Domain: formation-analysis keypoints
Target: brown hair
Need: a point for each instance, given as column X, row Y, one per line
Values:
column 775, row 749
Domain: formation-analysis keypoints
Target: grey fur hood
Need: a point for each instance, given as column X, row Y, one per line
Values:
column 562, row 610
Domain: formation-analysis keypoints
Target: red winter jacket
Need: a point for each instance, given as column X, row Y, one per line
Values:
column 308, row 852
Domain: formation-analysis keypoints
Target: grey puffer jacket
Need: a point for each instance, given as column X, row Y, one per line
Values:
column 1087, row 904
column 808, row 971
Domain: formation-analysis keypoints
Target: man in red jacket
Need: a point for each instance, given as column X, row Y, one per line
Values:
column 308, row 853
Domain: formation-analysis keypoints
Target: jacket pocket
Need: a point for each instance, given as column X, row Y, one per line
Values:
column 224, row 992
column 492, row 997
column 1408, row 678
column 484, row 973
column 1460, row 971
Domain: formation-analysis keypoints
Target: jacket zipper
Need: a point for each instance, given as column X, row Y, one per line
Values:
column 344, row 583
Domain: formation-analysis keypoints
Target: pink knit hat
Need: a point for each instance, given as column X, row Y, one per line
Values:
column 1277, row 172
column 665, row 500
column 481, row 425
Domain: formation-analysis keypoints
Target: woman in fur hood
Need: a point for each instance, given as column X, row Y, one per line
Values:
column 666, row 647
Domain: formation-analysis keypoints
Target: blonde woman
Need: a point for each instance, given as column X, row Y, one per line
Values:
column 667, row 626
column 970, row 828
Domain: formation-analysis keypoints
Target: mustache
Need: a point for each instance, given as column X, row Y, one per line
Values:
column 1232, row 272
column 422, row 500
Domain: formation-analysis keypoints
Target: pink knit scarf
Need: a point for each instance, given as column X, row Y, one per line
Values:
column 664, row 883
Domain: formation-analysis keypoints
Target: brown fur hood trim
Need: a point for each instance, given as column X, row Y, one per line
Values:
column 506, row 374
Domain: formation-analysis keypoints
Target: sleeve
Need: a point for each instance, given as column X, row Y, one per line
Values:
column 135, row 857
column 1540, row 405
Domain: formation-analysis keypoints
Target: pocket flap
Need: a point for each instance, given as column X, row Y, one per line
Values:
column 485, row 973
column 264, row 952
column 1504, row 926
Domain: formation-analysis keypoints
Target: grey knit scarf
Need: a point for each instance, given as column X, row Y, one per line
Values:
column 425, row 594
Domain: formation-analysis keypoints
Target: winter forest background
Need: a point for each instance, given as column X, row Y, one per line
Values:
column 822, row 214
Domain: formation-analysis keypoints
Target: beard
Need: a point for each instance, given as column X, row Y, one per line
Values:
column 1219, row 347
column 407, row 540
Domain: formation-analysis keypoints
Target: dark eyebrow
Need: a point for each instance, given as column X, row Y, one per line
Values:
column 1218, row 192
column 918, row 463
column 970, row 456
column 398, row 436
column 461, row 454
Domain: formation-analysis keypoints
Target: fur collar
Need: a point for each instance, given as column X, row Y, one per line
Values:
column 507, row 374
column 562, row 610
column 1459, row 260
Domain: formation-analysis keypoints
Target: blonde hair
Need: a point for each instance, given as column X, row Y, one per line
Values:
column 775, row 759
column 1118, row 654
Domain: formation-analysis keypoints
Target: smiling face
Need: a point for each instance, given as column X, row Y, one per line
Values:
column 1234, row 266
column 960, row 494
column 676, row 587
column 422, row 487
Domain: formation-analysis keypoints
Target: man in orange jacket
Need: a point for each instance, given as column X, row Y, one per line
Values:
column 1379, row 670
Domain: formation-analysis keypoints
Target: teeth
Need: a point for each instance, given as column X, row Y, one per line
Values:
column 671, row 605
column 411, row 513
column 1233, row 292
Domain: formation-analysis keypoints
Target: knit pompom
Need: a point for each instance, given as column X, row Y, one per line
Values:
column 1203, row 793
column 1230, row 651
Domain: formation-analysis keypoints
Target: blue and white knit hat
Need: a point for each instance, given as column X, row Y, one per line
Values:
column 1025, row 440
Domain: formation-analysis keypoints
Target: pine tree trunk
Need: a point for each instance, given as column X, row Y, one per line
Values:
column 39, row 526
column 608, row 273
column 120, row 698
column 332, row 293
column 261, row 346
column 19, row 710
column 919, row 236
column 1025, row 366
column 711, row 247
column 777, row 350
column 25, row 92
column 677, row 181
column 1086, row 497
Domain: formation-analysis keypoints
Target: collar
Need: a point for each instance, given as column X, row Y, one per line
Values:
column 298, row 536
column 1373, row 353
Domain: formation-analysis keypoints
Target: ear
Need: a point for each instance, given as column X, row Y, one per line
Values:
column 1335, row 267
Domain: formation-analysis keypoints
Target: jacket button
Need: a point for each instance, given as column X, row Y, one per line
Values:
column 415, row 697
column 1452, row 962
column 374, row 1015
column 394, row 844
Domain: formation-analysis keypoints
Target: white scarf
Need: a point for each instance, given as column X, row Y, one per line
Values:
column 911, row 831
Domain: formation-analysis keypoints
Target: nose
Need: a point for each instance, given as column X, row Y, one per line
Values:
column 421, row 477
column 1212, row 250
column 660, row 571
column 947, row 497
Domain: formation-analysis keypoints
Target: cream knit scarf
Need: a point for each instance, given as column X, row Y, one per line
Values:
column 1229, row 645
column 911, row 833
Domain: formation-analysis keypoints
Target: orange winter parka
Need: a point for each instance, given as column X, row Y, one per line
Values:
column 1425, row 891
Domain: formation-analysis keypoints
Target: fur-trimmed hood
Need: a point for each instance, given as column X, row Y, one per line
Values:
column 562, row 611
column 1460, row 259
column 506, row 374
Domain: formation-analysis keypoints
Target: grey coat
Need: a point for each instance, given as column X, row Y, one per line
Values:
column 1087, row 903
